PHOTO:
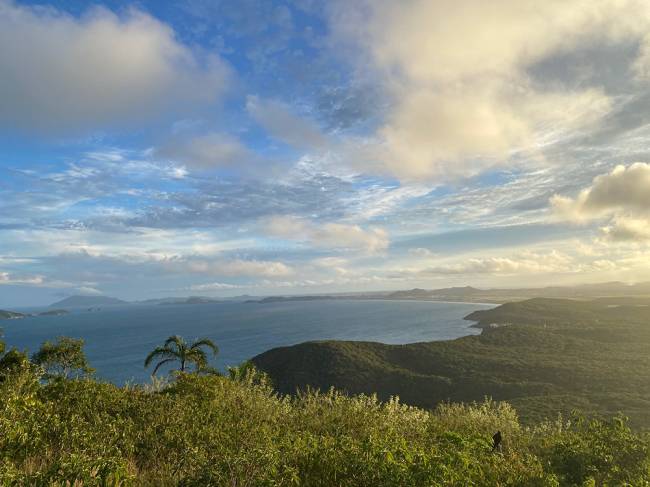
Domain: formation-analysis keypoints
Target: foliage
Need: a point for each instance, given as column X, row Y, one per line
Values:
column 62, row 358
column 176, row 349
column 193, row 429
column 553, row 356
column 211, row 430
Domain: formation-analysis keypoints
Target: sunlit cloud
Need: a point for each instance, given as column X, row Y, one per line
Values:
column 100, row 71
column 358, row 146
column 328, row 235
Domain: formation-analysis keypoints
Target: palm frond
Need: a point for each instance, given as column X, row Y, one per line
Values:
column 176, row 340
column 205, row 342
column 164, row 351
column 197, row 357
column 161, row 363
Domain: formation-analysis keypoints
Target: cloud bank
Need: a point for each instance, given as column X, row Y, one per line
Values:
column 63, row 75
column 328, row 235
column 622, row 196
column 461, row 77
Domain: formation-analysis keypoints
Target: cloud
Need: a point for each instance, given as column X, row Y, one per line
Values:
column 214, row 286
column 520, row 263
column 622, row 197
column 335, row 264
column 66, row 75
column 7, row 278
column 280, row 121
column 88, row 291
column 628, row 229
column 624, row 189
column 206, row 151
column 421, row 252
column 328, row 235
column 465, row 95
column 233, row 268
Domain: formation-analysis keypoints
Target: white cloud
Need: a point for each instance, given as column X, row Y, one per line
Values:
column 459, row 75
column 88, row 291
column 214, row 286
column 628, row 229
column 336, row 264
column 31, row 280
column 621, row 196
column 552, row 262
column 421, row 252
column 233, row 268
column 65, row 75
column 328, row 235
column 521, row 263
column 625, row 189
column 206, row 151
column 329, row 262
column 279, row 120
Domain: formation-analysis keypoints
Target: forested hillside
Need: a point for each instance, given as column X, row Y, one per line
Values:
column 544, row 356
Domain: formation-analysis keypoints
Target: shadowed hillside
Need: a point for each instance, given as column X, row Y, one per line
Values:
column 552, row 356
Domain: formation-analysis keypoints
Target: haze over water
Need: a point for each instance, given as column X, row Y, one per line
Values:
column 118, row 338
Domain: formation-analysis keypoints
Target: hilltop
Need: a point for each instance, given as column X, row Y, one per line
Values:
column 551, row 356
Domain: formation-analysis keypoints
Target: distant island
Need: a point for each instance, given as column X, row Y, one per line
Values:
column 190, row 300
column 54, row 312
column 464, row 294
column 13, row 315
column 86, row 301
column 469, row 294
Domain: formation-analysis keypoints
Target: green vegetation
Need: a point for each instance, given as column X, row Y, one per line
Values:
column 195, row 429
column 553, row 356
column 62, row 358
column 211, row 430
column 176, row 349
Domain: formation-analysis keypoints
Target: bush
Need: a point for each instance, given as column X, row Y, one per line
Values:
column 212, row 430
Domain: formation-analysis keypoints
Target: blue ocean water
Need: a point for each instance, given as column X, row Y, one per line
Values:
column 118, row 338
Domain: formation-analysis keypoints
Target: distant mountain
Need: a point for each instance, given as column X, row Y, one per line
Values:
column 83, row 301
column 280, row 299
column 445, row 293
column 190, row 300
column 11, row 315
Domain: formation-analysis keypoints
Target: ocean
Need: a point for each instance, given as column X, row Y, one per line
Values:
column 117, row 339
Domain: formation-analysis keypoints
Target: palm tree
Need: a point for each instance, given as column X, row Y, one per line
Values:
column 176, row 349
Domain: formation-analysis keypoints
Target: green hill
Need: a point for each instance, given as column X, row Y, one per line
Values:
column 552, row 356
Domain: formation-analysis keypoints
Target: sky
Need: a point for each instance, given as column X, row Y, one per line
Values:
column 229, row 147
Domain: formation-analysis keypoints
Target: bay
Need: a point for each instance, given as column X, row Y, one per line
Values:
column 117, row 339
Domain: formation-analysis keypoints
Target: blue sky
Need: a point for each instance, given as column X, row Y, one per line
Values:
column 221, row 148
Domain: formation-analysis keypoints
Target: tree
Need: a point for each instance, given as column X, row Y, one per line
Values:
column 62, row 358
column 176, row 349
column 12, row 360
